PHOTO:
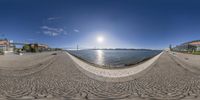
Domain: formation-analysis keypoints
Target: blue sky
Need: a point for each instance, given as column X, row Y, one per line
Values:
column 123, row 23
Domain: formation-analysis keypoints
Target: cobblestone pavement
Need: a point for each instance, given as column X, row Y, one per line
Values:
column 59, row 78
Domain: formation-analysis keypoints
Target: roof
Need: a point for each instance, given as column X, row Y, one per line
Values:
column 191, row 42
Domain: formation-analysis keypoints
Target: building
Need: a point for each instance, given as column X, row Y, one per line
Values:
column 6, row 46
column 188, row 46
column 196, row 44
column 43, row 46
column 38, row 47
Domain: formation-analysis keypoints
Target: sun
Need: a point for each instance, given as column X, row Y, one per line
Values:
column 100, row 39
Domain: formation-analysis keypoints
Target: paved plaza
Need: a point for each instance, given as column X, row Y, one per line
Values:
column 56, row 76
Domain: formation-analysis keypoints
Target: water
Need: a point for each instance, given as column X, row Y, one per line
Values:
column 114, row 58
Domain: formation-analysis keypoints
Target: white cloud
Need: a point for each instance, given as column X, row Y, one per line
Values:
column 53, row 31
column 11, row 41
column 50, row 33
column 76, row 30
column 53, row 18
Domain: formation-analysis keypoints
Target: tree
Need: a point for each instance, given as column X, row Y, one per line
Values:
column 27, row 48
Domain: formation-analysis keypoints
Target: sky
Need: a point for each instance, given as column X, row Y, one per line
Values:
column 153, row 24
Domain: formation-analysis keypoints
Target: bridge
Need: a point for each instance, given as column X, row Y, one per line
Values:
column 19, row 43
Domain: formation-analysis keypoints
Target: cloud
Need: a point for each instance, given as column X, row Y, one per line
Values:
column 11, row 41
column 53, row 31
column 58, row 30
column 53, row 18
column 76, row 30
column 50, row 33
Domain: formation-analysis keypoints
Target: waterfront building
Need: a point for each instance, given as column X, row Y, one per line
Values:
column 188, row 46
column 38, row 47
column 196, row 43
column 6, row 46
column 43, row 46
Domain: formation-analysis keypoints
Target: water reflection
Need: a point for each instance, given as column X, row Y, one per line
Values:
column 115, row 58
column 100, row 58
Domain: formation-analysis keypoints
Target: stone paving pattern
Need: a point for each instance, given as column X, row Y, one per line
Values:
column 59, row 77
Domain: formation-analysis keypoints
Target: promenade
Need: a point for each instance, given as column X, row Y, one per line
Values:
column 114, row 75
column 58, row 77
